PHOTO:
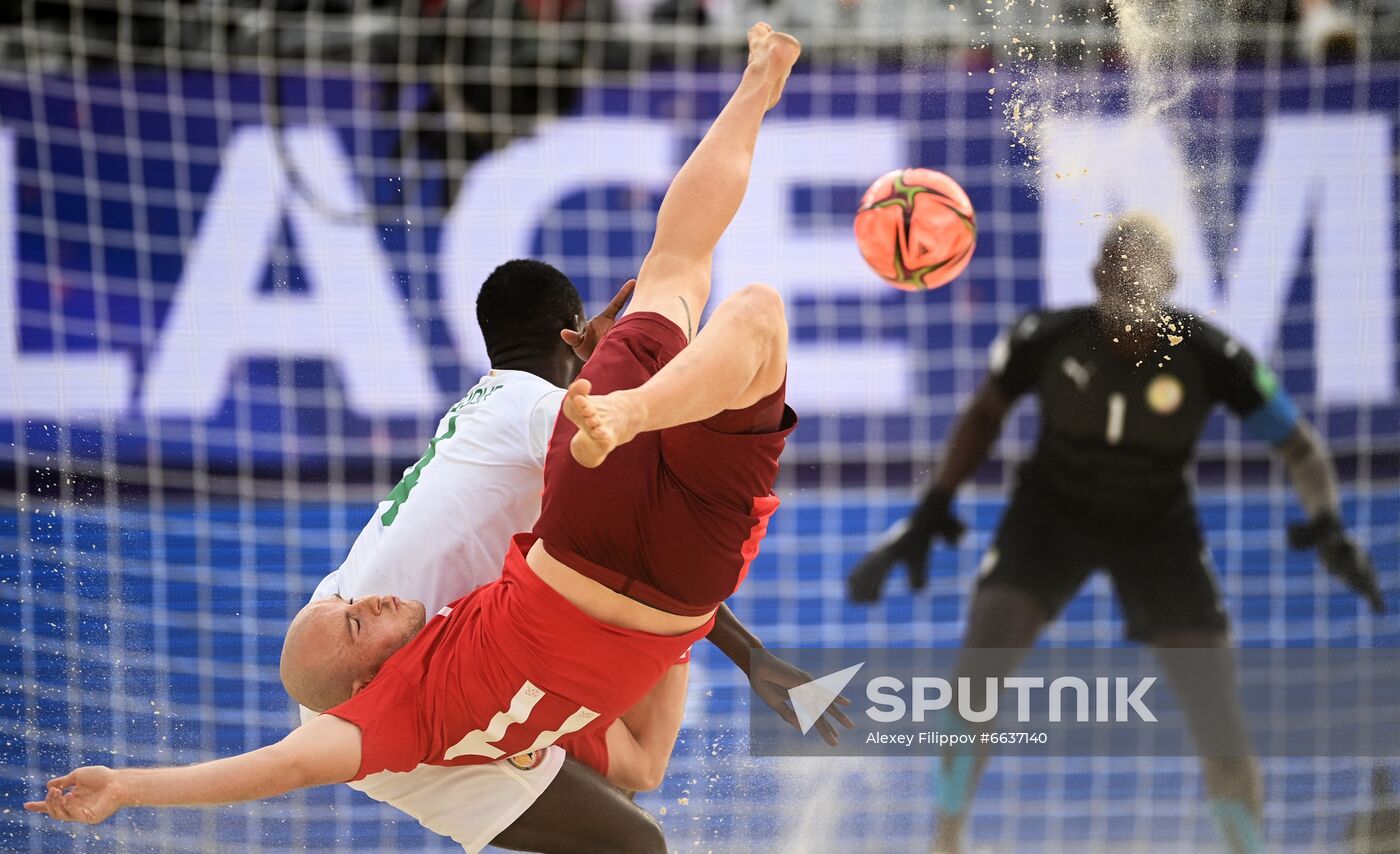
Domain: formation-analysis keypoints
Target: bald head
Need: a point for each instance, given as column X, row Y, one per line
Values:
column 1135, row 273
column 335, row 646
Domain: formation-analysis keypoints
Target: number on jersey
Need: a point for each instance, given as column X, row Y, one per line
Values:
column 399, row 494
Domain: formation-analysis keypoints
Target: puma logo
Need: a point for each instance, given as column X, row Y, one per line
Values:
column 1077, row 372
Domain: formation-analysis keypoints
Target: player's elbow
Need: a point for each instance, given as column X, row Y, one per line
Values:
column 324, row 750
column 639, row 779
column 651, row 777
column 1302, row 444
column 639, row 773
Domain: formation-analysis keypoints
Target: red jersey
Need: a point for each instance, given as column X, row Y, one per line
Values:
column 673, row 518
column 508, row 669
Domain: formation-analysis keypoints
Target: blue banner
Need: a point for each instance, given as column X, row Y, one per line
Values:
column 185, row 281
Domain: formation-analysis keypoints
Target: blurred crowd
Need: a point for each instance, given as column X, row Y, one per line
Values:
column 402, row 30
column 465, row 77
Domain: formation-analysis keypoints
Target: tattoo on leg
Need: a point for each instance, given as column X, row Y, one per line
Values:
column 689, row 326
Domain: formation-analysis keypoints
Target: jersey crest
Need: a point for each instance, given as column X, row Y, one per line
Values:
column 528, row 761
column 1164, row 394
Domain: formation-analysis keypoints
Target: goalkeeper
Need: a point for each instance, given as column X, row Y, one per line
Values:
column 1125, row 388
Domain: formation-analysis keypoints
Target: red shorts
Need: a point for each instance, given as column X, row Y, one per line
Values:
column 673, row 518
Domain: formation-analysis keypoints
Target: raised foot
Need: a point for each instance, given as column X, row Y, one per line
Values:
column 773, row 53
column 603, row 421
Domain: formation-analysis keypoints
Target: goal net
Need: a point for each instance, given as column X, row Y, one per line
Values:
column 240, row 244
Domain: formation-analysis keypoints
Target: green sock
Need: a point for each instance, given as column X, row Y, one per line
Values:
column 1239, row 825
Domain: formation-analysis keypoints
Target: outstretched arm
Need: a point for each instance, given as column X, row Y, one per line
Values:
column 323, row 750
column 771, row 677
column 973, row 437
column 1310, row 470
column 1314, row 479
column 1253, row 393
column 909, row 540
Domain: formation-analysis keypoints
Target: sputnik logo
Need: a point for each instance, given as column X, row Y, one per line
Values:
column 811, row 699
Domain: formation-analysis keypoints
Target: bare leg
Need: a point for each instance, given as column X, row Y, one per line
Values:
column 641, row 741
column 581, row 813
column 674, row 280
column 1209, row 695
column 1002, row 618
column 739, row 358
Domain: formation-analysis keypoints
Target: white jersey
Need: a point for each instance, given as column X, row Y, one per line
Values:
column 444, row 529
column 442, row 532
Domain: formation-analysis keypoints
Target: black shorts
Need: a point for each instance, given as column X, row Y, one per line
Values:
column 1160, row 567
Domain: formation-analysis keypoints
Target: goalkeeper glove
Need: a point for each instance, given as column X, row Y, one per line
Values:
column 1341, row 555
column 908, row 542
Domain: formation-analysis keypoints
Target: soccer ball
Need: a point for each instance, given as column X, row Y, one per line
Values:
column 916, row 228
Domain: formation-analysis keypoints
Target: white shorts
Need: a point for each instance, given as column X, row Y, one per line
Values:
column 470, row 804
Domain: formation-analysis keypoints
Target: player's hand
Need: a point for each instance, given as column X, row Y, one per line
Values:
column 907, row 542
column 771, row 677
column 1341, row 555
column 89, row 795
column 584, row 340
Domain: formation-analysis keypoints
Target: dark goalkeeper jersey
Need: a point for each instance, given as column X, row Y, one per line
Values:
column 1118, row 430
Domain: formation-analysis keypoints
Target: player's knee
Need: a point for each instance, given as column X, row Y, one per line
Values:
column 763, row 303
column 761, row 307
column 1004, row 617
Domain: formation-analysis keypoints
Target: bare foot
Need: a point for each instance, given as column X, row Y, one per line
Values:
column 774, row 53
column 604, row 422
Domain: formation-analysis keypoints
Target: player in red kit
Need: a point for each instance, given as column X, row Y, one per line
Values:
column 658, row 489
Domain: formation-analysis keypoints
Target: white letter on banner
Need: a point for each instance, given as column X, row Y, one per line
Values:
column 1023, row 686
column 988, row 711
column 507, row 194
column 351, row 317
column 883, row 691
column 922, row 702
column 764, row 245
column 55, row 385
column 1328, row 173
column 1081, row 694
